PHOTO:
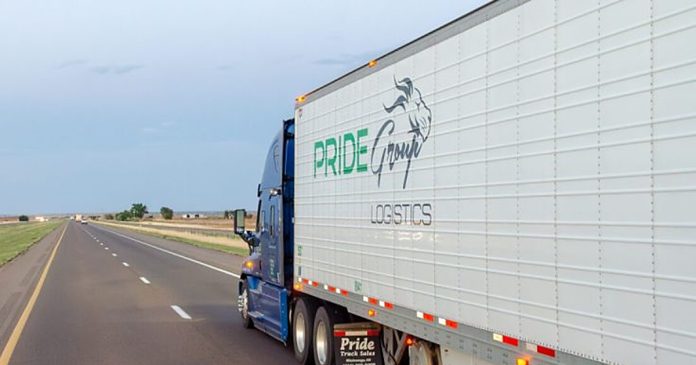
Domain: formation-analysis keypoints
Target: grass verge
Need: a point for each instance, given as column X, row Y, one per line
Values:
column 15, row 239
column 209, row 245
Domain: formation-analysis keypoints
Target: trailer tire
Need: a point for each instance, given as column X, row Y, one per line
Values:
column 244, row 298
column 303, row 331
column 323, row 338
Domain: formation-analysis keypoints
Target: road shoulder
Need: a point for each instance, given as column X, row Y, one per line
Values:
column 18, row 279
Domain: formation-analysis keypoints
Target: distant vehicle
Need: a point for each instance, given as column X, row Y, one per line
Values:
column 515, row 187
column 83, row 221
column 78, row 217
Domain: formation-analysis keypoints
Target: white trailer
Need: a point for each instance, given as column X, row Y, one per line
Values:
column 518, row 185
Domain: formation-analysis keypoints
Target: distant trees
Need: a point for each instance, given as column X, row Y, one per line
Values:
column 124, row 216
column 108, row 217
column 227, row 214
column 138, row 210
column 23, row 218
column 167, row 213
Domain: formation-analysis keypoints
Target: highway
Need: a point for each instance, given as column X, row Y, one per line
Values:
column 116, row 297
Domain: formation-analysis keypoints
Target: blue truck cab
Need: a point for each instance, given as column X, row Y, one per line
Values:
column 265, row 288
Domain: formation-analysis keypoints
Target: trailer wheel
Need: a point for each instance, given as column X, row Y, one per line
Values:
column 247, row 322
column 323, row 336
column 303, row 331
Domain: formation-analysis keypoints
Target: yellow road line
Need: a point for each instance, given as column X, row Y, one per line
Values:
column 19, row 328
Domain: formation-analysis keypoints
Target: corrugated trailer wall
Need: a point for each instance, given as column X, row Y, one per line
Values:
column 533, row 175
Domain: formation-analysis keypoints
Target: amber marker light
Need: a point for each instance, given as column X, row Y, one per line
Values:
column 409, row 341
column 249, row 265
column 372, row 63
column 522, row 362
column 298, row 287
column 371, row 312
column 300, row 99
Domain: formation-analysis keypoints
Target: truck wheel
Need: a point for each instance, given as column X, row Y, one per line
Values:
column 247, row 322
column 323, row 338
column 303, row 331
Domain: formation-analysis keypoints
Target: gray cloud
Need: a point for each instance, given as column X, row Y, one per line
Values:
column 225, row 68
column 115, row 69
column 347, row 59
column 72, row 63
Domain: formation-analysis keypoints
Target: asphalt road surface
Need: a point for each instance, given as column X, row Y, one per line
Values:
column 117, row 297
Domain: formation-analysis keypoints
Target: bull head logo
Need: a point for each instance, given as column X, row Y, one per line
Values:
column 420, row 119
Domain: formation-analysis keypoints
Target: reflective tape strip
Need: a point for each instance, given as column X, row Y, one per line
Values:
column 447, row 322
column 541, row 350
column 425, row 316
column 505, row 339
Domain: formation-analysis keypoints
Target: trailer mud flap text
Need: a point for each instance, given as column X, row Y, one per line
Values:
column 357, row 343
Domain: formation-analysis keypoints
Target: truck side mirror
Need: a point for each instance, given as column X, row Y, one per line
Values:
column 239, row 216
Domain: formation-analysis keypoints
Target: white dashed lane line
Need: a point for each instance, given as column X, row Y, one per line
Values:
column 173, row 254
column 144, row 280
column 114, row 255
column 126, row 264
column 106, row 248
column 181, row 312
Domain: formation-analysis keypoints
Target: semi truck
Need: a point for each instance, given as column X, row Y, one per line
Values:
column 516, row 187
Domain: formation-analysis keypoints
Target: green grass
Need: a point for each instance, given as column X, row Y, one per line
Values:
column 17, row 238
column 212, row 246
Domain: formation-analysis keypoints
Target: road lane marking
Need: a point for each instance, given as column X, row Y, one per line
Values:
column 22, row 322
column 181, row 312
column 101, row 244
column 173, row 254
column 106, row 248
column 126, row 264
column 144, row 280
column 114, row 255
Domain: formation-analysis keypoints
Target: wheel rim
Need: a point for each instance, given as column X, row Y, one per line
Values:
column 245, row 304
column 321, row 343
column 300, row 332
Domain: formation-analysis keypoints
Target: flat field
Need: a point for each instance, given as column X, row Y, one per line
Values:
column 17, row 238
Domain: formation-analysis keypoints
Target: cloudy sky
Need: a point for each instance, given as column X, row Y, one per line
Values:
column 106, row 103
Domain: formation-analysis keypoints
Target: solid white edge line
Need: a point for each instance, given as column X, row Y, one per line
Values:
column 180, row 312
column 174, row 254
column 126, row 264
column 144, row 280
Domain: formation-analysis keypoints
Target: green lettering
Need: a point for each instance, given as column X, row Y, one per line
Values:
column 319, row 146
column 347, row 169
column 362, row 150
column 331, row 161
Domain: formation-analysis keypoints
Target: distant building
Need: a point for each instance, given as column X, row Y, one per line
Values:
column 41, row 219
column 192, row 216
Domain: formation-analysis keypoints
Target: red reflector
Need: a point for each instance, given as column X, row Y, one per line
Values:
column 343, row 292
column 305, row 281
column 428, row 317
column 314, row 283
column 331, row 288
column 452, row 324
column 510, row 341
column 373, row 333
column 546, row 351
column 388, row 305
column 339, row 333
column 373, row 301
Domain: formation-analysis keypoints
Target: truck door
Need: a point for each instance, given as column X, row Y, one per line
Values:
column 271, row 249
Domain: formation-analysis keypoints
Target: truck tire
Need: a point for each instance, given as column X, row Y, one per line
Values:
column 323, row 338
column 244, row 299
column 303, row 331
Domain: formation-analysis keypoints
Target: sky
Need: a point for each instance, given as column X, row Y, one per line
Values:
column 171, row 103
